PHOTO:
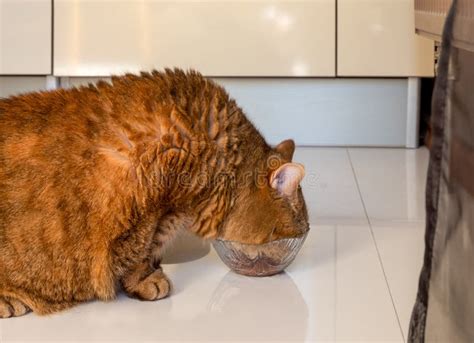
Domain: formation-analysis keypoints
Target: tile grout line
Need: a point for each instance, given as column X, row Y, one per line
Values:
column 375, row 243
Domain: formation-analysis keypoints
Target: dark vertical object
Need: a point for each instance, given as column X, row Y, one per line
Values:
column 418, row 319
column 426, row 98
column 444, row 309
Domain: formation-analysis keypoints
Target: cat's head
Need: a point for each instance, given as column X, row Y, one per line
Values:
column 271, row 205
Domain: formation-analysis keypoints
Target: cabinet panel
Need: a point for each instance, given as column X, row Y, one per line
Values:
column 219, row 38
column 377, row 38
column 25, row 37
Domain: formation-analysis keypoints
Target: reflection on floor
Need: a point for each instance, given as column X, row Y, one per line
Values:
column 354, row 280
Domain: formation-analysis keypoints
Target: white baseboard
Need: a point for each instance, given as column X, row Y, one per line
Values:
column 11, row 85
column 331, row 112
column 52, row 82
column 314, row 112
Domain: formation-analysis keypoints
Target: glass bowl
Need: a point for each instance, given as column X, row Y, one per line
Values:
column 259, row 259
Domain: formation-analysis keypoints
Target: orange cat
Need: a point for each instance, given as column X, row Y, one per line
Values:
column 95, row 181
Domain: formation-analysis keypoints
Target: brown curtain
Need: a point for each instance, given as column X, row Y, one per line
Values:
column 444, row 309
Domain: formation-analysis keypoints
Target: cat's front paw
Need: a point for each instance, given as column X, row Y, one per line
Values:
column 153, row 287
column 12, row 308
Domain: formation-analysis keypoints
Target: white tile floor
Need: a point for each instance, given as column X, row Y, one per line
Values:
column 354, row 280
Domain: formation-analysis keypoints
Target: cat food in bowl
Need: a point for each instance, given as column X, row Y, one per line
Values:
column 259, row 259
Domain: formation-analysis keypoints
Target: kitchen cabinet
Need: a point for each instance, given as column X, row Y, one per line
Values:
column 218, row 38
column 25, row 37
column 377, row 38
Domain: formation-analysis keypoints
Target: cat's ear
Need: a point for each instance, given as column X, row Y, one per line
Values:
column 287, row 178
column 286, row 149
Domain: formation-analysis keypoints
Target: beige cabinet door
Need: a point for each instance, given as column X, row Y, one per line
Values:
column 377, row 38
column 25, row 37
column 218, row 38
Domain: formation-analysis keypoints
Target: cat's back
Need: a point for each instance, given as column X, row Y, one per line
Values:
column 74, row 126
column 134, row 103
column 46, row 115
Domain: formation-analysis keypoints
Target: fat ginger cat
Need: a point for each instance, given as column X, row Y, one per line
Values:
column 95, row 181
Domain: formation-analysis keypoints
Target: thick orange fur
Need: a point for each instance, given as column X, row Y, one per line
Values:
column 94, row 181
